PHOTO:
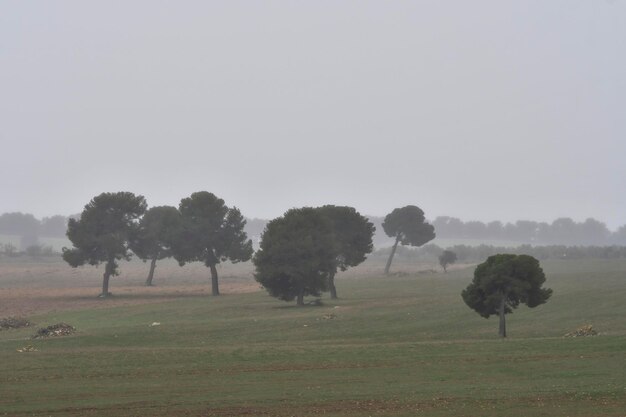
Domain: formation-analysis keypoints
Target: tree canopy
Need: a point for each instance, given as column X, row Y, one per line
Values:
column 408, row 226
column 446, row 258
column 352, row 234
column 211, row 233
column 103, row 232
column 297, row 255
column 155, row 236
column 502, row 283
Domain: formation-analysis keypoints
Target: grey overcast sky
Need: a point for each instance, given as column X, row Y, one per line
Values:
column 476, row 109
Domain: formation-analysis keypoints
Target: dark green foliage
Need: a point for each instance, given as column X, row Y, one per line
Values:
column 408, row 226
column 211, row 233
column 447, row 258
column 504, row 281
column 297, row 255
column 352, row 233
column 103, row 232
column 155, row 235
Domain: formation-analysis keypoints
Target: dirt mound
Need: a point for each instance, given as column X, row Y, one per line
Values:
column 13, row 323
column 586, row 330
column 59, row 329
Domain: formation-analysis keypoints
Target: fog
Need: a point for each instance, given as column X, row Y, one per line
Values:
column 480, row 110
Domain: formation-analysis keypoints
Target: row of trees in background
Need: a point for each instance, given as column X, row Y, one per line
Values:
column 561, row 231
column 471, row 254
column 30, row 229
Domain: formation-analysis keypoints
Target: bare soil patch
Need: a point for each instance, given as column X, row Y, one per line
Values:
column 31, row 287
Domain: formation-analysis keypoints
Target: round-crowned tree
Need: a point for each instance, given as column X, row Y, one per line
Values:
column 446, row 258
column 155, row 236
column 103, row 232
column 210, row 232
column 352, row 233
column 408, row 226
column 502, row 283
column 296, row 255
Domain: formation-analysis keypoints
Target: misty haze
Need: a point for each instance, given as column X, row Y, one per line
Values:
column 282, row 208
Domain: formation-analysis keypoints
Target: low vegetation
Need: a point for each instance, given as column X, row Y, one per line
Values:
column 391, row 346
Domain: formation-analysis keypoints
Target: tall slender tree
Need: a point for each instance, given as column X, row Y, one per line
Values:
column 408, row 226
column 211, row 233
column 103, row 232
column 353, row 234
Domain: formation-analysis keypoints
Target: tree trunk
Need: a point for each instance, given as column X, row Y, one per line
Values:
column 151, row 273
column 445, row 269
column 300, row 300
column 501, row 312
column 215, row 286
column 108, row 271
column 393, row 252
column 331, row 284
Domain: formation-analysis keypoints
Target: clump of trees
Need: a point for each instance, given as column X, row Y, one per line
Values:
column 407, row 226
column 301, row 252
column 202, row 229
column 30, row 229
column 297, row 255
column 502, row 283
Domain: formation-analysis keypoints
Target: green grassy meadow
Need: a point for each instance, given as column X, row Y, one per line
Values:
column 400, row 346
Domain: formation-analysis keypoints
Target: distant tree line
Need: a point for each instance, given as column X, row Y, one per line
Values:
column 563, row 231
column 472, row 254
column 30, row 229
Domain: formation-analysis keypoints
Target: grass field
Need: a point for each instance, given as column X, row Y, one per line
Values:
column 399, row 346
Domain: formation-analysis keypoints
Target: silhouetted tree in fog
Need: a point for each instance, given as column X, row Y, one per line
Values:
column 24, row 225
column 352, row 233
column 407, row 225
column 156, row 235
column 447, row 258
column 297, row 255
column 211, row 233
column 103, row 232
column 55, row 226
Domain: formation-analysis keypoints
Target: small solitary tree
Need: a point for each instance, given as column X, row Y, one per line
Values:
column 296, row 255
column 447, row 258
column 408, row 226
column 155, row 236
column 353, row 239
column 211, row 233
column 504, row 281
column 103, row 232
